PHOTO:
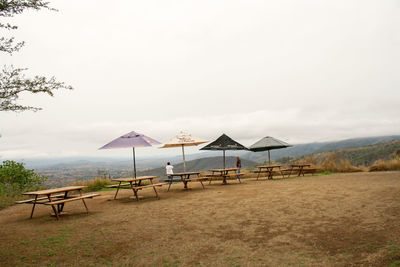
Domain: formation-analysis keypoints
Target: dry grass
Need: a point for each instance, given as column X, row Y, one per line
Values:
column 332, row 163
column 336, row 220
column 390, row 165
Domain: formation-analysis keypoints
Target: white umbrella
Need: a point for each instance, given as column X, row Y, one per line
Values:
column 181, row 140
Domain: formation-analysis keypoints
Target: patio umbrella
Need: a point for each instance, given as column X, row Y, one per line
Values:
column 266, row 144
column 182, row 140
column 223, row 143
column 132, row 139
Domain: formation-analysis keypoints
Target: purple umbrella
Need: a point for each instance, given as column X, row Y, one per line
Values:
column 132, row 139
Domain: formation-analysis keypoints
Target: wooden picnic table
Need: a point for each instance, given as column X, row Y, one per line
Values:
column 135, row 184
column 268, row 169
column 56, row 197
column 224, row 173
column 299, row 168
column 185, row 178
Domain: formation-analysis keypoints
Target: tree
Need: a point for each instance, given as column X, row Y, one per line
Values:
column 14, row 173
column 12, row 80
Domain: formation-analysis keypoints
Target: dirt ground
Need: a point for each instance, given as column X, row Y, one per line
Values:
column 331, row 220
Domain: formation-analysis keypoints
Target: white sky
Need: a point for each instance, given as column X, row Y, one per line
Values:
column 301, row 71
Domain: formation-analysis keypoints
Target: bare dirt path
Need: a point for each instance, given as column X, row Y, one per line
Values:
column 333, row 220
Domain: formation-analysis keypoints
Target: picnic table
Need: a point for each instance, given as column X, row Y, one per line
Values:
column 299, row 168
column 135, row 184
column 268, row 169
column 224, row 173
column 185, row 178
column 56, row 198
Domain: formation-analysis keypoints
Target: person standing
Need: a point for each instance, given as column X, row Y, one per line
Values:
column 169, row 171
column 238, row 165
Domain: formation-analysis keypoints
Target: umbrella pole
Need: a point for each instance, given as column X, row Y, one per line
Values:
column 134, row 162
column 184, row 162
column 269, row 158
column 224, row 158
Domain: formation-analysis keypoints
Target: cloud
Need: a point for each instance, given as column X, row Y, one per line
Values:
column 292, row 125
column 300, row 71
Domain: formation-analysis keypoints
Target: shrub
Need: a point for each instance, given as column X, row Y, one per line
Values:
column 390, row 165
column 94, row 184
column 15, row 179
column 334, row 163
column 15, row 175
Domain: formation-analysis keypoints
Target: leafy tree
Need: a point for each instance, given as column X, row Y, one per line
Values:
column 14, row 174
column 12, row 80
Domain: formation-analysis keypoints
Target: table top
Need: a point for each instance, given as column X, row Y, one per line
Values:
column 131, row 179
column 269, row 166
column 300, row 165
column 224, row 170
column 183, row 173
column 55, row 190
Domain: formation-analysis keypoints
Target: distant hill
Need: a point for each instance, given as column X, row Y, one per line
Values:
column 366, row 155
column 202, row 164
column 300, row 150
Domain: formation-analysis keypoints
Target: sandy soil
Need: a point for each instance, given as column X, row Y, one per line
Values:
column 332, row 220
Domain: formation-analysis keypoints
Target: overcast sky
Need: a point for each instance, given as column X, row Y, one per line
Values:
column 300, row 71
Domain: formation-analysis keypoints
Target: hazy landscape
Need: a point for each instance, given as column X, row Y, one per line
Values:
column 359, row 151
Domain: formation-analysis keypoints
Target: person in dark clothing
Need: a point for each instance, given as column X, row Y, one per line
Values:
column 238, row 165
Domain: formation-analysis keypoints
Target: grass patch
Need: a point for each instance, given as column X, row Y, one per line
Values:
column 96, row 184
column 395, row 263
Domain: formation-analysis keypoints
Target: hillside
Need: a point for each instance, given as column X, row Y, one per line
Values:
column 364, row 156
column 314, row 148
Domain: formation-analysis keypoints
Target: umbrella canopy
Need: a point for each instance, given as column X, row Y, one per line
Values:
column 182, row 140
column 132, row 139
column 223, row 143
column 268, row 143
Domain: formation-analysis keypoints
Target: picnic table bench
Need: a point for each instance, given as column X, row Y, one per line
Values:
column 223, row 174
column 267, row 169
column 185, row 178
column 300, row 169
column 56, row 198
column 135, row 184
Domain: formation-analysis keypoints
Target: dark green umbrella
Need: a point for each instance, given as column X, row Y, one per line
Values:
column 223, row 143
column 268, row 143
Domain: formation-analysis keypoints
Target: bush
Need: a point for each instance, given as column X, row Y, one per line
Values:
column 334, row 163
column 390, row 165
column 14, row 180
column 94, row 184
column 15, row 175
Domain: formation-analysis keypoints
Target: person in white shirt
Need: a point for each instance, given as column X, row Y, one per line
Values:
column 169, row 171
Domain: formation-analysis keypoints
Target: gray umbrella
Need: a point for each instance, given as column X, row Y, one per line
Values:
column 268, row 143
column 223, row 143
column 132, row 139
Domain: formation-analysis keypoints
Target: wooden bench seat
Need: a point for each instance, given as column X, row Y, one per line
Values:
column 197, row 179
column 233, row 175
column 262, row 171
column 310, row 170
column 149, row 185
column 30, row 201
column 116, row 185
column 71, row 199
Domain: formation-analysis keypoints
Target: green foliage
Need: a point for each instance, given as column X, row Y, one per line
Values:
column 15, row 179
column 15, row 175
